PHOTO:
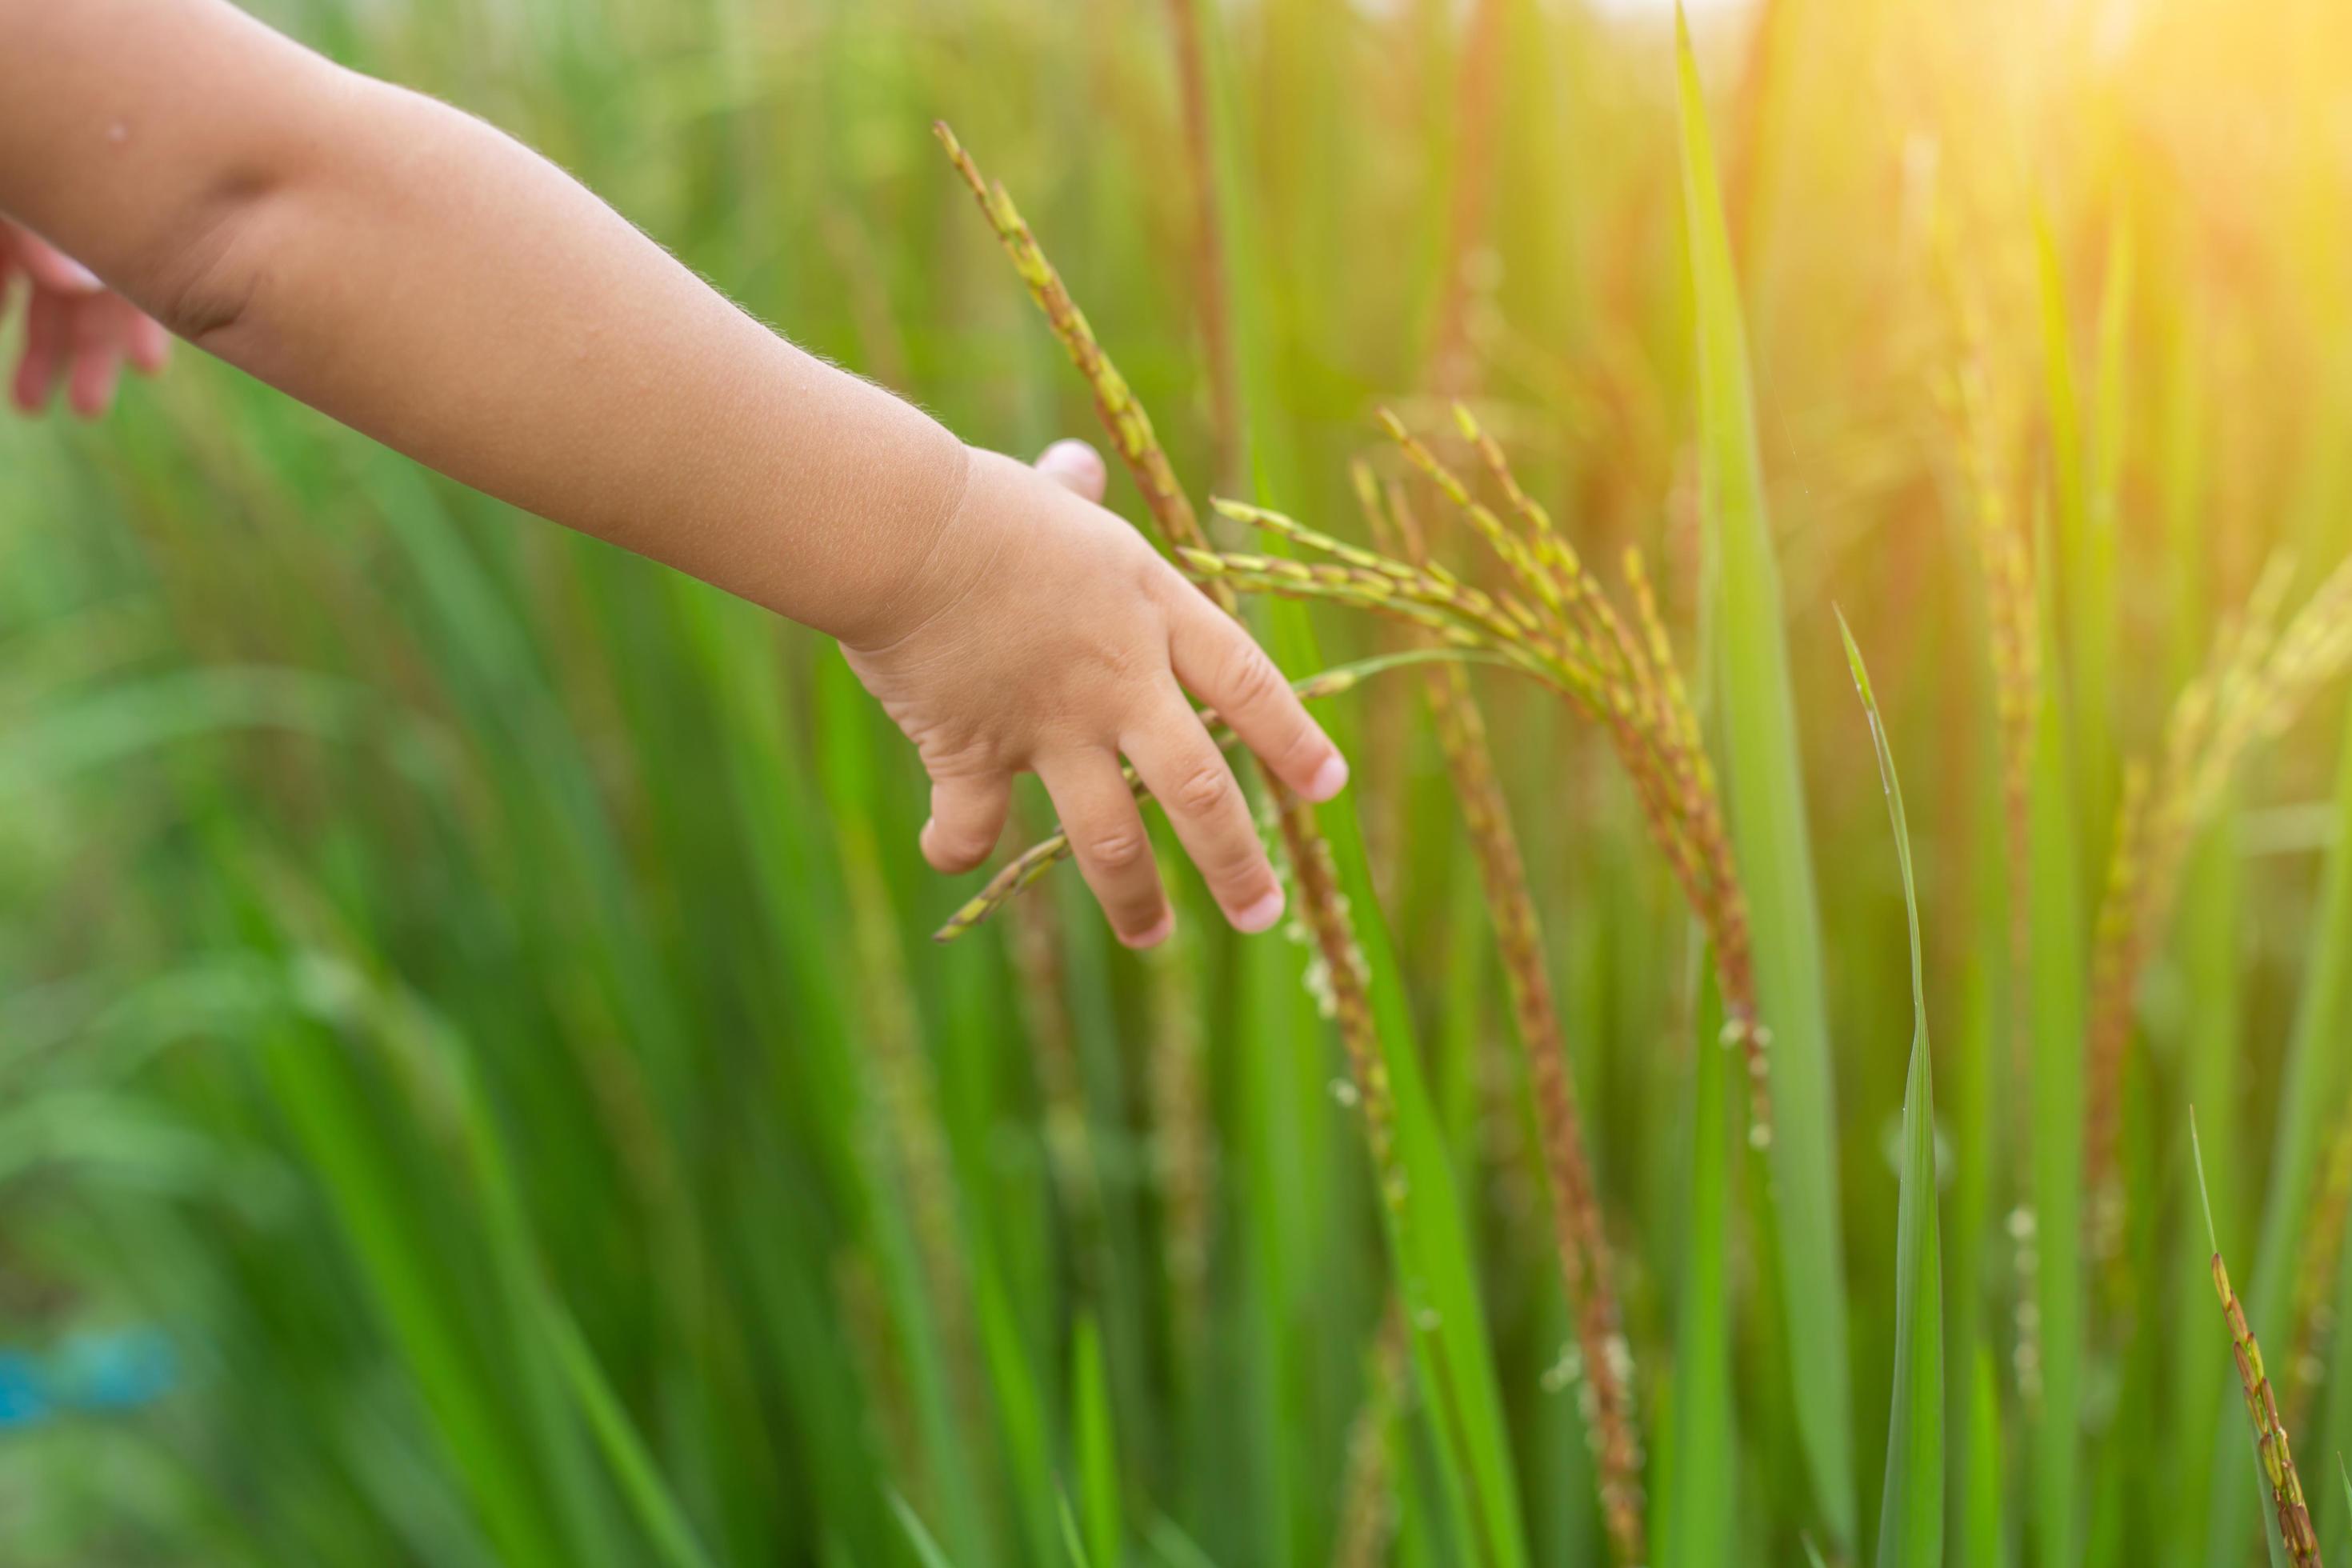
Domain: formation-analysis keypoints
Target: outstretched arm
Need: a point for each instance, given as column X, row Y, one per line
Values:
column 425, row 279
column 419, row 276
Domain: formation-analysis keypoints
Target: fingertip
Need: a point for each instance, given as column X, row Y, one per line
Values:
column 151, row 346
column 948, row 859
column 1077, row 467
column 967, row 819
column 1259, row 915
column 1328, row 780
column 1152, row 935
column 29, row 390
column 91, row 391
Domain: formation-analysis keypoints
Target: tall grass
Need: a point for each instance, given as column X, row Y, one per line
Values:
column 469, row 997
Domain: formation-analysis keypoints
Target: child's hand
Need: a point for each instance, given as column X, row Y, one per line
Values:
column 1044, row 635
column 76, row 330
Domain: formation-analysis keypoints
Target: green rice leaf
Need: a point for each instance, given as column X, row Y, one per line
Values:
column 1073, row 1540
column 1911, row 1512
column 1766, row 799
column 648, row 1496
column 2057, row 1012
column 1429, row 1240
column 1699, row 1462
column 1980, row 1499
column 927, row 1550
column 1091, row 1435
column 2344, row 1476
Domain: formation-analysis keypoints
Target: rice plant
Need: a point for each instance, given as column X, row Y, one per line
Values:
column 486, row 1078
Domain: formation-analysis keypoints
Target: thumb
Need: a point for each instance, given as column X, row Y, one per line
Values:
column 1076, row 467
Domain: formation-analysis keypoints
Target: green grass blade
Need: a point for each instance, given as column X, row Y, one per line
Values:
column 927, row 1550
column 648, row 1496
column 1176, row 1549
column 2344, row 1476
column 389, row 1240
column 1983, row 1534
column 2336, row 1427
column 1698, row 1471
column 2077, row 579
column 1766, row 797
column 1430, row 1238
column 2093, row 636
column 1091, row 1435
column 1073, row 1541
column 1021, row 1412
column 2057, row 1013
column 1911, row 1513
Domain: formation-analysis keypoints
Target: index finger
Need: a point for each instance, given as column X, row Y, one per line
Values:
column 1223, row 666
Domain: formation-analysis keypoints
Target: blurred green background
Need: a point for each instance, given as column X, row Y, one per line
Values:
column 474, row 1082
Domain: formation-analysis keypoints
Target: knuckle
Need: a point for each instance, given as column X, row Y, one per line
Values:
column 1303, row 742
column 1158, row 581
column 1239, row 876
column 1117, row 848
column 1204, row 789
column 1250, row 677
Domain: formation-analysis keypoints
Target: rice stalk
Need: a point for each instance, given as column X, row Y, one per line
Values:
column 1367, row 1512
column 1035, row 950
column 2323, row 1250
column 2257, row 681
column 1129, row 427
column 1579, row 1237
column 2005, row 555
column 1123, row 417
column 2262, row 1405
column 901, row 1136
column 1478, row 106
column 1183, row 1151
column 1414, row 1179
column 1564, row 631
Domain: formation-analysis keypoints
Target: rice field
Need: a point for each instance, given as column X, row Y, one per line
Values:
column 1817, row 1035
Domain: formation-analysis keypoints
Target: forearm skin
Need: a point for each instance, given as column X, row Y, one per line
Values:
column 419, row 276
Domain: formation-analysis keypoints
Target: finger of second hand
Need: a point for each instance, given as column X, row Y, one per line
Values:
column 150, row 343
column 94, row 353
column 46, row 328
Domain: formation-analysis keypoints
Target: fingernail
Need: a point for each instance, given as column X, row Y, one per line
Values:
column 78, row 276
column 1155, row 933
column 1328, row 779
column 1260, row 915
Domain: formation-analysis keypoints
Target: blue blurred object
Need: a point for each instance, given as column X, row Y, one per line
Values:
column 119, row 1371
column 24, row 1394
column 98, row 1371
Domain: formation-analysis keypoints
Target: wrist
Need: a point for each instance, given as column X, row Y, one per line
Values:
column 947, row 553
column 887, row 485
